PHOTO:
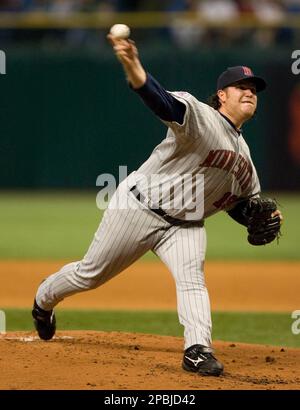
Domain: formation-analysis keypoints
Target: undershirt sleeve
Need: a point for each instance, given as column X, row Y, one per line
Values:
column 160, row 101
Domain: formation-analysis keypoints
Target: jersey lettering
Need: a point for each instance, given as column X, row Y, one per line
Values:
column 224, row 159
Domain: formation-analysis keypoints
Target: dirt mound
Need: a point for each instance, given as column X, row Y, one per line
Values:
column 110, row 360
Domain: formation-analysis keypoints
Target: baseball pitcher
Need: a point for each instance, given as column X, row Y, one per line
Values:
column 201, row 167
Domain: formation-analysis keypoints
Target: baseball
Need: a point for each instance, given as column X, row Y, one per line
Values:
column 120, row 31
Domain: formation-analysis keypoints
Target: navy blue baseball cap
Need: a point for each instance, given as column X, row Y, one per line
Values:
column 238, row 73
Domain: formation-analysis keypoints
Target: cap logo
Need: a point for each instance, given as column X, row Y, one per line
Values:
column 247, row 71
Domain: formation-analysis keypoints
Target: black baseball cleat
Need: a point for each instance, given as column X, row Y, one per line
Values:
column 199, row 359
column 44, row 322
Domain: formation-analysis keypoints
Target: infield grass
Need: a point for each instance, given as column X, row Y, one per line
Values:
column 61, row 225
column 263, row 328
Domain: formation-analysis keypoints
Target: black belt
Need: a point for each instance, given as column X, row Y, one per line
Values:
column 159, row 211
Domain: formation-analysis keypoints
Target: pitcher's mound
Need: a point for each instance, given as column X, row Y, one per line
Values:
column 119, row 361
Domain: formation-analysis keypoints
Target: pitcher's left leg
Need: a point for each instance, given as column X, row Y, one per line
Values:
column 183, row 251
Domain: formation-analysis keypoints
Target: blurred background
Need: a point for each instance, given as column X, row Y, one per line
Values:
column 66, row 112
column 67, row 116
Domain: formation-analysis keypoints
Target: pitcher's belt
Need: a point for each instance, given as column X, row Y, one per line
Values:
column 159, row 211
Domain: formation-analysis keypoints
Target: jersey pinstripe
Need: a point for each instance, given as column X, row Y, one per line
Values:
column 184, row 151
column 204, row 144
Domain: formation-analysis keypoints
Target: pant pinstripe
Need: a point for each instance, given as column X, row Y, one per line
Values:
column 123, row 236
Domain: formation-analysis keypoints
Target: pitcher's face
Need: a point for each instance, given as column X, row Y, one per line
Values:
column 239, row 100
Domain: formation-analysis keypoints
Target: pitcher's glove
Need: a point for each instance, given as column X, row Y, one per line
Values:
column 262, row 227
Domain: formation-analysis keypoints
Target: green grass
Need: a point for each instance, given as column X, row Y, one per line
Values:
column 264, row 328
column 47, row 225
column 55, row 225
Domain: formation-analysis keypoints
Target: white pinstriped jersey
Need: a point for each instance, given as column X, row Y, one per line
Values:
column 205, row 144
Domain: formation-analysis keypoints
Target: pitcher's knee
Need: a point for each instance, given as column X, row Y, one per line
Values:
column 89, row 276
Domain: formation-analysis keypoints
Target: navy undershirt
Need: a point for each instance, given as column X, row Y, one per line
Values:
column 162, row 103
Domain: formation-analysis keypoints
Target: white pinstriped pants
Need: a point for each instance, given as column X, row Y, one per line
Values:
column 123, row 236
